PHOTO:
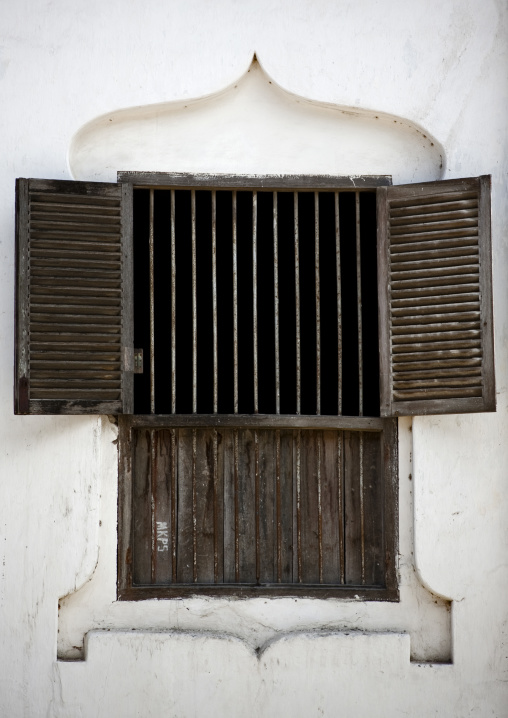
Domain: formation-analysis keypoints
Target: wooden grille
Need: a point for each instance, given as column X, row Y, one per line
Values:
column 251, row 507
column 256, row 302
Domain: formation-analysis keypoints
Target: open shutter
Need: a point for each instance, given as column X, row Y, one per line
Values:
column 74, row 344
column 435, row 298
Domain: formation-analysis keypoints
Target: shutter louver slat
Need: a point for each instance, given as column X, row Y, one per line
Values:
column 73, row 234
column 436, row 335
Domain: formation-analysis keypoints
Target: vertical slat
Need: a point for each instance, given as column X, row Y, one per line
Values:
column 352, row 502
column 127, row 294
column 339, row 304
column 162, row 505
column 309, row 509
column 278, row 506
column 318, row 440
column 276, row 302
column 266, row 563
column 373, row 512
column 152, row 303
column 173, row 303
column 362, row 508
column 359, row 305
column 330, row 506
column 218, row 506
column 194, row 509
column 227, row 449
column 205, row 512
column 236, row 504
column 235, row 307
column 185, row 559
column 257, row 502
column 214, row 303
column 246, row 511
column 318, row 303
column 298, row 542
column 297, row 307
column 141, row 495
column 286, row 474
column 174, row 506
column 153, row 498
column 194, row 307
column 22, row 319
column 340, row 502
column 255, row 296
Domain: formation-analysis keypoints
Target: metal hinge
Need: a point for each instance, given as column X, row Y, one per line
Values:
column 138, row 361
column 133, row 360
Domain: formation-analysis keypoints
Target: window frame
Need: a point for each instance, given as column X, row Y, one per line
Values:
column 387, row 427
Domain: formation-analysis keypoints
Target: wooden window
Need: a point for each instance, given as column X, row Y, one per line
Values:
column 256, row 450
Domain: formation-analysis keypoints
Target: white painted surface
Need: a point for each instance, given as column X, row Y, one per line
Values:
column 440, row 65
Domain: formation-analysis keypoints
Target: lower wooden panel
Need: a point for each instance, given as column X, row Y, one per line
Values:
column 287, row 510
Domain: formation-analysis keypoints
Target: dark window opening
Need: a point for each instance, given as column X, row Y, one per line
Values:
column 304, row 271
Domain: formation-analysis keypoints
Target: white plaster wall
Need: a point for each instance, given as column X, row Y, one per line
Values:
column 440, row 65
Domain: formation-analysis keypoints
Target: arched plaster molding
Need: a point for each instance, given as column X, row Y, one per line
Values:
column 254, row 126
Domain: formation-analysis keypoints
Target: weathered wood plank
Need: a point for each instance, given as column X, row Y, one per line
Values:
column 142, row 516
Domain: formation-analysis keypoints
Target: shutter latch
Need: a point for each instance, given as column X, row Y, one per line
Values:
column 138, row 361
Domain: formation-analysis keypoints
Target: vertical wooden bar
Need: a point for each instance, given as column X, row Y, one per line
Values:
column 227, row 449
column 352, row 503
column 297, row 307
column 286, row 479
column 330, row 506
column 362, row 509
column 340, row 502
column 205, row 483
column 235, row 306
column 255, row 295
column 298, row 523
column 153, row 498
column 162, row 505
column 236, row 481
column 266, row 559
column 246, row 508
column 185, row 517
column 276, row 302
column 173, row 303
column 359, row 305
column 318, row 303
column 278, row 506
column 194, row 307
column 339, row 304
column 373, row 509
column 141, row 499
column 152, row 302
column 194, row 508
column 318, row 440
column 174, row 506
column 257, row 501
column 214, row 302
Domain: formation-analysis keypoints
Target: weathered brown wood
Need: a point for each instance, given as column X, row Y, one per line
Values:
column 142, row 517
column 310, row 538
column 204, row 506
column 175, row 180
column 358, row 593
column 374, row 540
column 285, row 513
column 185, row 515
column 363, row 423
column 268, row 507
column 69, row 294
column 127, row 295
column 354, row 522
column 330, row 507
column 246, row 508
column 161, row 493
column 420, row 213
column 22, row 306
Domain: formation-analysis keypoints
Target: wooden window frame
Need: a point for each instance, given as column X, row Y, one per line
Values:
column 387, row 428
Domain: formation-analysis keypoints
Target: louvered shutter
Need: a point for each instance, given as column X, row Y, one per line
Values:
column 73, row 298
column 435, row 297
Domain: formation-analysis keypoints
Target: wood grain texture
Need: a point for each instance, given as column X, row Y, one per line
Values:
column 434, row 243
